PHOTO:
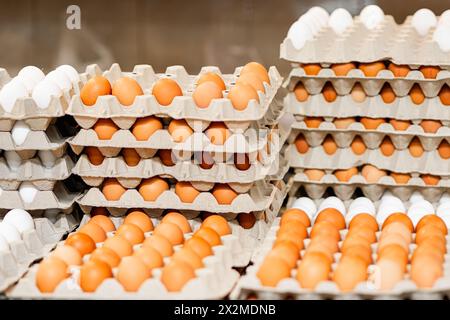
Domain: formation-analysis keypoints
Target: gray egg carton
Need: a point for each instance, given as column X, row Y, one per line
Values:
column 401, row 161
column 34, row 245
column 388, row 41
column 35, row 172
column 372, row 138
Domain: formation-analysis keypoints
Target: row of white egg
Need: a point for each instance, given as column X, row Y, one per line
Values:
column 13, row 225
column 32, row 81
column 389, row 204
column 316, row 18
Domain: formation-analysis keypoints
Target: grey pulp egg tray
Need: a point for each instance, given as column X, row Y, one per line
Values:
column 400, row 44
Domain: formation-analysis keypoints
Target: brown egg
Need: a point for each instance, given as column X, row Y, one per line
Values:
column 313, row 122
column 387, row 94
column 223, row 193
column 301, row 144
column 343, row 123
column 214, row 77
column 272, row 271
column 354, row 240
column 95, row 87
column 350, row 272
column 425, row 272
column 93, row 273
column 387, row 147
column 130, row 156
column 287, row 251
column 371, row 69
column 94, row 231
column 209, row 235
column 159, row 243
column 188, row 256
column 165, row 90
column 437, row 241
column 176, row 274
column 150, row 257
column 112, row 189
column 345, row 175
column 363, row 232
column 218, row 224
column 444, row 95
column 170, row 231
column 204, row 160
column 430, row 180
column 428, row 250
column 314, row 174
column 130, row 232
column 151, row 189
column 105, row 129
column 140, row 219
column 126, row 90
column 144, row 128
column 132, row 272
column 329, row 93
column 246, row 220
column 119, row 245
column 415, row 148
column 364, row 219
column 241, row 94
column 50, row 273
column 432, row 219
column 399, row 70
column 400, row 125
column 358, row 94
column 321, row 248
column 253, row 80
column 392, row 238
column 389, row 274
column 444, row 149
column 429, row 72
column 167, row 157
column 295, row 214
column 325, row 228
column 186, row 192
column 370, row 123
column 361, row 251
column 342, row 69
column 241, row 161
column 300, row 92
column 396, row 253
column 104, row 222
column 292, row 236
column 205, row 93
column 400, row 178
column 94, row 155
column 311, row 69
column 430, row 126
column 329, row 146
column 217, row 133
column 331, row 215
column 312, row 270
column 200, row 246
column 178, row 219
column 358, row 146
column 427, row 231
column 82, row 242
column 106, row 255
column 259, row 69
column 399, row 217
column 179, row 130
column 416, row 94
column 295, row 228
column 328, row 242
column 372, row 174
column 68, row 254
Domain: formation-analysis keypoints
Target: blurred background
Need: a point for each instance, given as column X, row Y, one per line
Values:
column 226, row 33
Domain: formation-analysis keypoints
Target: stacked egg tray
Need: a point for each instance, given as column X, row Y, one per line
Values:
column 289, row 288
column 388, row 41
column 254, row 132
column 33, row 245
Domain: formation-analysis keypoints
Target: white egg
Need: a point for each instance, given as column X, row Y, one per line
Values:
column 299, row 33
column 59, row 78
column 444, row 198
column 446, row 220
column 307, row 205
column 364, row 203
column 442, row 37
column 340, row 20
column 321, row 14
column 444, row 17
column 27, row 82
column 43, row 93
column 311, row 22
column 443, row 210
column 47, row 158
column 371, row 16
column 332, row 202
column 33, row 73
column 4, row 246
column 27, row 192
column 418, row 210
column 19, row 132
column 383, row 215
column 20, row 219
column 12, row 159
column 423, row 20
column 70, row 72
column 9, row 232
column 11, row 92
column 416, row 196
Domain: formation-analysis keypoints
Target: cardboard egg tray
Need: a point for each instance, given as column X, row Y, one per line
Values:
column 401, row 161
column 290, row 288
column 400, row 44
column 34, row 245
column 372, row 138
column 181, row 108
column 373, row 191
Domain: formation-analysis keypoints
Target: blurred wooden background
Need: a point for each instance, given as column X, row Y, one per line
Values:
column 226, row 33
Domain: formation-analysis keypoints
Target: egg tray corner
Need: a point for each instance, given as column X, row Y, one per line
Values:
column 389, row 41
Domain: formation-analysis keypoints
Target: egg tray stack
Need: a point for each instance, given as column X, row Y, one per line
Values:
column 387, row 42
column 250, row 286
column 253, row 131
